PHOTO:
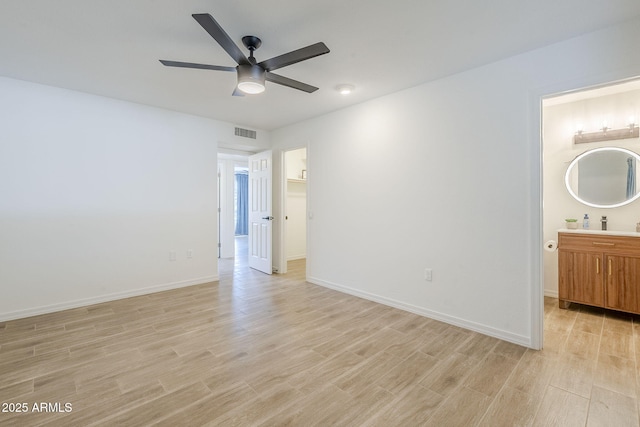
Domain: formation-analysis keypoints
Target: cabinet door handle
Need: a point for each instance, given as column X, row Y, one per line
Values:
column 609, row 266
column 597, row 265
column 603, row 244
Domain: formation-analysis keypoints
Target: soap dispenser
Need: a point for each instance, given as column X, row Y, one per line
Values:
column 585, row 221
column 604, row 223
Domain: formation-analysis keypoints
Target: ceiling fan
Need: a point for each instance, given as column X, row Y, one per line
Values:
column 252, row 74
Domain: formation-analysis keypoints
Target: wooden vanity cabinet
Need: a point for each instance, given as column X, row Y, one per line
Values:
column 623, row 282
column 580, row 278
column 599, row 270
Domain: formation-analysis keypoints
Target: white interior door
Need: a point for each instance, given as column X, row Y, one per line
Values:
column 260, row 214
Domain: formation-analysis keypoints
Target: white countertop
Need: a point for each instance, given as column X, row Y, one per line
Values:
column 606, row 233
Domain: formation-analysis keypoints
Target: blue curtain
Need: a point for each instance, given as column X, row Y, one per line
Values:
column 242, row 202
column 631, row 177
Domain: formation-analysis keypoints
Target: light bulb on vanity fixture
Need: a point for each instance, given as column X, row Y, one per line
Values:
column 605, row 133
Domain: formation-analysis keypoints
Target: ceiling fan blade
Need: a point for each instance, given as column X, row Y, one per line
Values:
column 198, row 66
column 237, row 92
column 286, row 81
column 215, row 30
column 295, row 56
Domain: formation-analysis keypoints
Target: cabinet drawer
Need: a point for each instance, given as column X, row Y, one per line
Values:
column 599, row 243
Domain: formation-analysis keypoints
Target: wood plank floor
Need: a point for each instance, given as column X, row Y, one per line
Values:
column 274, row 350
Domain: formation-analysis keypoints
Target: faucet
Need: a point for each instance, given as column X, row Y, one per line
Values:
column 604, row 222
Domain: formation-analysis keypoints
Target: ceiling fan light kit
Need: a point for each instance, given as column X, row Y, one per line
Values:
column 251, row 79
column 252, row 74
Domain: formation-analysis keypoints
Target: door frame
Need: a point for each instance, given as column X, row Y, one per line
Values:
column 536, row 146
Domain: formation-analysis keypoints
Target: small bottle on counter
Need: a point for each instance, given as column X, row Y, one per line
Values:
column 585, row 221
column 604, row 223
column 638, row 227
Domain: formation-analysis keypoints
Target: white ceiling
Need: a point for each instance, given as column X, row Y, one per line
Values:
column 112, row 48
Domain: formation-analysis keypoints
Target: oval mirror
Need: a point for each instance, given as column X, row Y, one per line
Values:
column 603, row 177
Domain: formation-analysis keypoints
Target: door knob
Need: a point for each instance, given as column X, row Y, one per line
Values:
column 268, row 218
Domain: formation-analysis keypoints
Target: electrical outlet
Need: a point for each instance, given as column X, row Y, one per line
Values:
column 172, row 255
column 189, row 253
column 428, row 274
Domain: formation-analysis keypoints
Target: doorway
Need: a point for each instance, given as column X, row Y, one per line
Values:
column 241, row 212
column 230, row 227
column 613, row 105
column 294, row 201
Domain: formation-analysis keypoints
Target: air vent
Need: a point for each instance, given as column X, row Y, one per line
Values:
column 246, row 133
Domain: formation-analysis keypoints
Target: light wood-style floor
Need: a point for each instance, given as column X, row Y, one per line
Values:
column 273, row 350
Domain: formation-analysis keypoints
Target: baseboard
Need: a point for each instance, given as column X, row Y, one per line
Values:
column 19, row 314
column 553, row 294
column 452, row 320
column 296, row 257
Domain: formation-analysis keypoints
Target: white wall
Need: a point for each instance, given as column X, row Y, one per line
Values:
column 95, row 193
column 446, row 176
column 296, row 162
column 296, row 234
column 226, row 226
column 560, row 123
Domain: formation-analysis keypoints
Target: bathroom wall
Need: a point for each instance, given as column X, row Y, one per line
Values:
column 560, row 121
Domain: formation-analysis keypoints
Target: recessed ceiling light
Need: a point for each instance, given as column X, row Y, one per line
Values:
column 345, row 89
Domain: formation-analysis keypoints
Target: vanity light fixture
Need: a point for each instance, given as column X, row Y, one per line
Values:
column 345, row 89
column 606, row 133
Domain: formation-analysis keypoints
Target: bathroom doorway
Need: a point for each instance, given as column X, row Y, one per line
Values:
column 613, row 105
column 589, row 110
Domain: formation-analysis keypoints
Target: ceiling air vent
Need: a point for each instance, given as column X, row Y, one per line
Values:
column 246, row 133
